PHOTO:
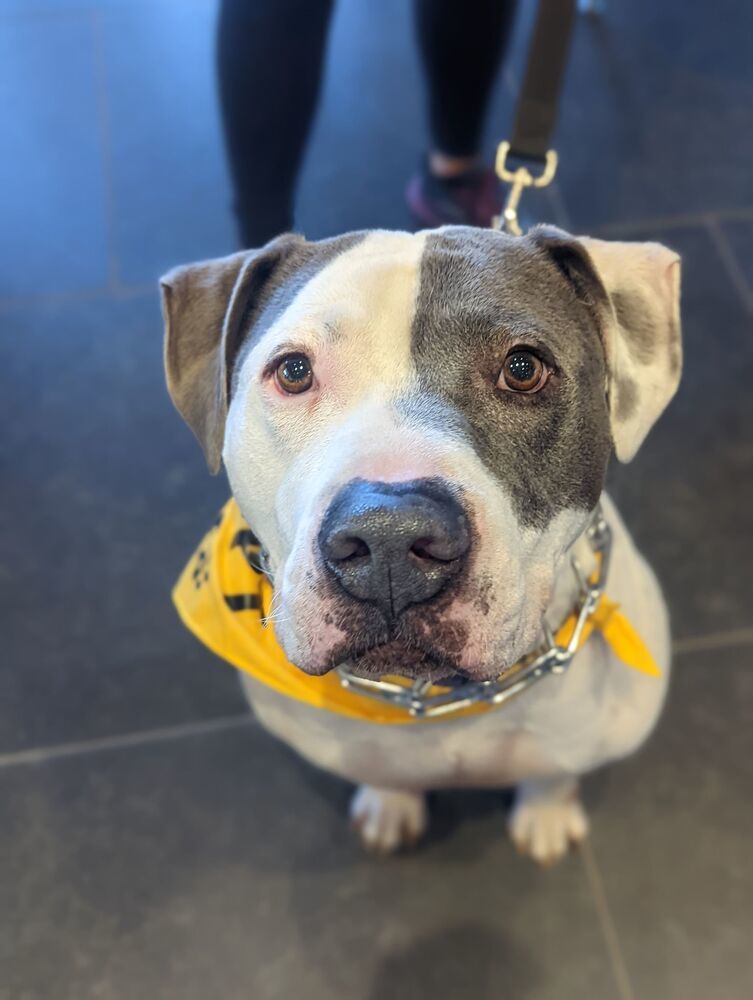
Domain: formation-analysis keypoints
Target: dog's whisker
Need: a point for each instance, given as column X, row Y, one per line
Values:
column 274, row 611
column 274, row 617
column 271, row 618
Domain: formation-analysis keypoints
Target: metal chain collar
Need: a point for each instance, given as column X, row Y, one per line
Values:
column 551, row 658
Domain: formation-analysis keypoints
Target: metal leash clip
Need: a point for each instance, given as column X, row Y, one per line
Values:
column 552, row 658
column 519, row 179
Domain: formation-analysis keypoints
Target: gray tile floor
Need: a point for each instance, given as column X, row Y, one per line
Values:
column 153, row 841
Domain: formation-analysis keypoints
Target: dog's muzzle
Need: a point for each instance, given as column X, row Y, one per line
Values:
column 421, row 700
column 394, row 545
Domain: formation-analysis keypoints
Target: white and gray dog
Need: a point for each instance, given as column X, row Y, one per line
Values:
column 417, row 427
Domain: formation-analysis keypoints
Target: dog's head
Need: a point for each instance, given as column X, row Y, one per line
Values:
column 417, row 427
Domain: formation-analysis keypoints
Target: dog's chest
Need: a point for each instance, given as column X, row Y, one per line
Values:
column 531, row 738
column 599, row 710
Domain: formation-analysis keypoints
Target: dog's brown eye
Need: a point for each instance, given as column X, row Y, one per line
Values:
column 523, row 371
column 294, row 373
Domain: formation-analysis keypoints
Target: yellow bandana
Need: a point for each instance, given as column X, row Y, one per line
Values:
column 222, row 597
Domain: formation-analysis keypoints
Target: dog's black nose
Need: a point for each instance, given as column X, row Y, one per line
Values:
column 394, row 544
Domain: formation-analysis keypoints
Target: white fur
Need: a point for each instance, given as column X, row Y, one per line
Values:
column 600, row 710
column 546, row 818
column 286, row 458
column 388, row 820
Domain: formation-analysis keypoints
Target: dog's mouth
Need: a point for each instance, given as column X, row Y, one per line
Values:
column 424, row 644
column 397, row 657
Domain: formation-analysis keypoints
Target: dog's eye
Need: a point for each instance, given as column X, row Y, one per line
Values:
column 523, row 371
column 294, row 374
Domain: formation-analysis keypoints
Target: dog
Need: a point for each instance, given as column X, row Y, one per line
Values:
column 417, row 427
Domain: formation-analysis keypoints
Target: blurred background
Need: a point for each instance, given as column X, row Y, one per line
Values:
column 154, row 842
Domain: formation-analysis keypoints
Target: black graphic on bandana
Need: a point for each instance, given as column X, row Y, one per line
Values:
column 243, row 602
column 200, row 572
column 250, row 546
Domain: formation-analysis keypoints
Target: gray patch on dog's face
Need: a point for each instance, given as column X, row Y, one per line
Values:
column 675, row 350
column 480, row 294
column 627, row 398
column 638, row 329
column 303, row 262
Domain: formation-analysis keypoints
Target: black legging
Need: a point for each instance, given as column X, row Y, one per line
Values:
column 271, row 54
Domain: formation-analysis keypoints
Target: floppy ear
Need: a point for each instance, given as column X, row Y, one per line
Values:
column 635, row 290
column 207, row 309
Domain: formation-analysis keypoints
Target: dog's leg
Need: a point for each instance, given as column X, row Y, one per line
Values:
column 546, row 818
column 388, row 820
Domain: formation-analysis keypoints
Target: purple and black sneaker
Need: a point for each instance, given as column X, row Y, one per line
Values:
column 471, row 199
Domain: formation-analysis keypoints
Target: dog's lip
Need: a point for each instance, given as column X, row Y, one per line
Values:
column 438, row 668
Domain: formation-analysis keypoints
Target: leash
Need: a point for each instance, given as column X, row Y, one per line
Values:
column 536, row 115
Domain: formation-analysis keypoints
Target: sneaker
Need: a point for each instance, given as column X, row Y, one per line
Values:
column 471, row 199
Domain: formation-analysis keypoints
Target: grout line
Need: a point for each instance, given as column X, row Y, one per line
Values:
column 732, row 214
column 79, row 295
column 611, row 939
column 713, row 640
column 730, row 262
column 694, row 219
column 165, row 734
column 105, row 133
column 125, row 741
column 626, row 227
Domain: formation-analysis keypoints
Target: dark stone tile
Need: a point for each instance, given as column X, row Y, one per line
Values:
column 657, row 114
column 105, row 495
column 688, row 495
column 739, row 236
column 170, row 187
column 672, row 834
column 53, row 233
column 222, row 866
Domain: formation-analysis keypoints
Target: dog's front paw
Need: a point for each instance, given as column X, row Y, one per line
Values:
column 388, row 820
column 546, row 818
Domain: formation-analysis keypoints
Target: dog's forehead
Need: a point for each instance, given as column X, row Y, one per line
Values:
column 423, row 321
column 490, row 277
column 391, row 287
column 360, row 287
column 461, row 267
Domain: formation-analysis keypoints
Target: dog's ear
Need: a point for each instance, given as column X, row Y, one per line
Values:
column 208, row 308
column 634, row 288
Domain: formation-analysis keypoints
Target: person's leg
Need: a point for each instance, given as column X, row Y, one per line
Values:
column 270, row 55
column 461, row 47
